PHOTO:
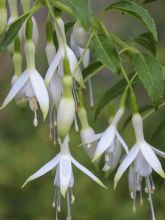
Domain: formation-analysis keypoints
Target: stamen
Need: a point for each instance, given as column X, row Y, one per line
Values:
column 69, row 205
column 141, row 192
column 106, row 168
column 152, row 207
column 72, row 197
column 76, row 124
column 34, row 107
column 152, row 183
column 75, row 95
column 89, row 145
column 91, row 93
column 50, row 125
column 141, row 197
column 54, row 127
column 35, row 121
column 134, row 194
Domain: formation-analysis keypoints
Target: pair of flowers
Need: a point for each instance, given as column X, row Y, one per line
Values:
column 31, row 86
column 141, row 159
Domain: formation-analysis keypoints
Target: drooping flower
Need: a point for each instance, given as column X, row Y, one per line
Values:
column 64, row 52
column 30, row 85
column 55, row 86
column 79, row 38
column 86, row 132
column 110, row 143
column 80, row 35
column 64, row 179
column 143, row 160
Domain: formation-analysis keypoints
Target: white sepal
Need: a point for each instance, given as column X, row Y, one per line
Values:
column 87, row 172
column 126, row 163
column 18, row 85
column 152, row 159
column 43, row 170
column 40, row 91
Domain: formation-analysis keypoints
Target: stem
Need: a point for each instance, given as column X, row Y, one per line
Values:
column 63, row 7
column 152, row 111
column 56, row 23
column 117, row 40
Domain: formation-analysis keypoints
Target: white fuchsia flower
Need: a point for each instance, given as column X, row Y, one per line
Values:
column 108, row 142
column 64, row 179
column 85, row 63
column 64, row 51
column 30, row 85
column 80, row 35
column 143, row 159
column 55, row 90
column 86, row 132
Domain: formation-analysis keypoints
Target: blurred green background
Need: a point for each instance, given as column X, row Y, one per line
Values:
column 24, row 149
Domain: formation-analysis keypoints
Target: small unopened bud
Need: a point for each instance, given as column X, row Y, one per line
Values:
column 80, row 35
column 66, row 110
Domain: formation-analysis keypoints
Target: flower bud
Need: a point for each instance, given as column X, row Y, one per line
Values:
column 30, row 54
column 3, row 16
column 66, row 110
column 80, row 35
column 86, row 132
column 137, row 122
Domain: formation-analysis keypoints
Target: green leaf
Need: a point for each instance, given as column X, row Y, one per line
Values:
column 136, row 11
column 12, row 32
column 147, row 41
column 112, row 93
column 149, row 1
column 91, row 70
column 150, row 72
column 15, row 26
column 103, row 50
column 82, row 11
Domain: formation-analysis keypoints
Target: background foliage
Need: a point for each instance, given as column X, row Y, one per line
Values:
column 23, row 149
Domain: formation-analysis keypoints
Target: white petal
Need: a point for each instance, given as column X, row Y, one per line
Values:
column 74, row 47
column 86, row 58
column 43, row 170
column 126, row 163
column 40, row 91
column 65, row 174
column 15, row 88
column 122, row 142
column 73, row 66
column 159, row 152
column 87, row 172
column 152, row 159
column 53, row 66
column 50, row 52
column 55, row 89
column 92, row 139
column 105, row 141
